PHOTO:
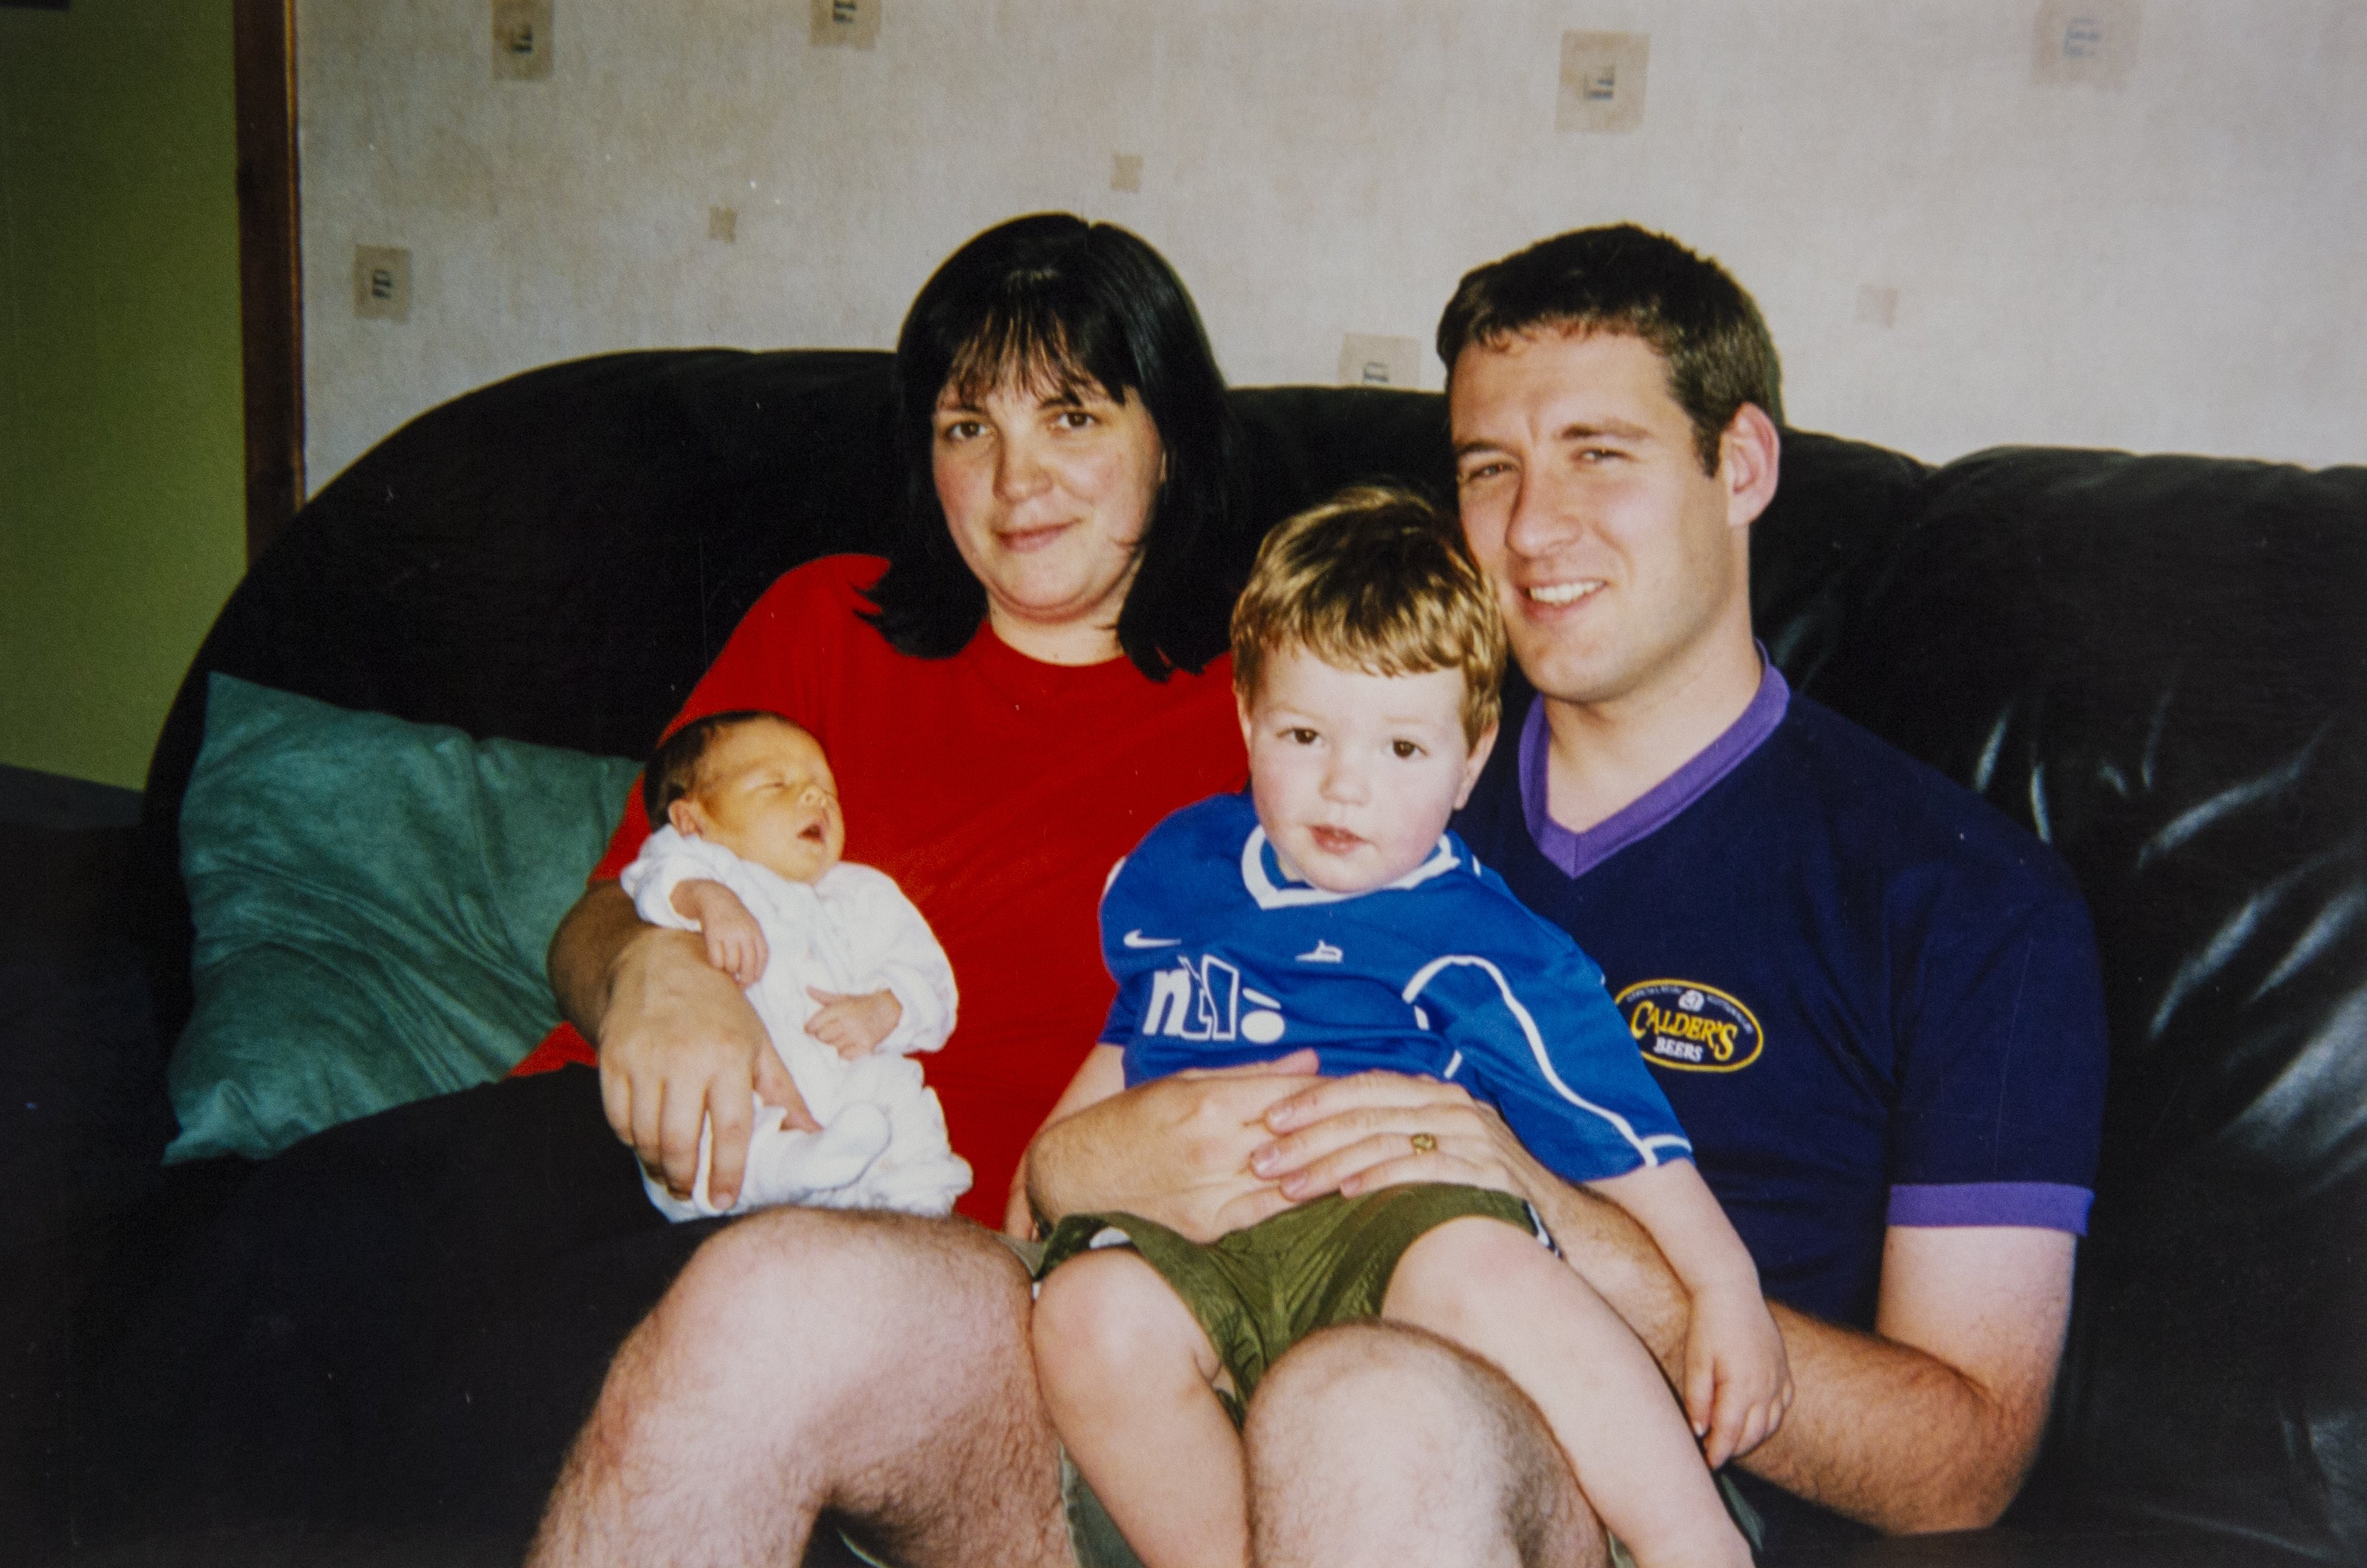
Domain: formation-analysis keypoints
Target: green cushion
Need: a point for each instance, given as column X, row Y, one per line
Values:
column 372, row 900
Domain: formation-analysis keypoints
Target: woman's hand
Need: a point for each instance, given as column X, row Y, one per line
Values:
column 1356, row 1134
column 678, row 1042
column 1176, row 1150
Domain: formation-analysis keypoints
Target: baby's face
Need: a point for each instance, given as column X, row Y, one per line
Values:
column 765, row 794
column 1354, row 774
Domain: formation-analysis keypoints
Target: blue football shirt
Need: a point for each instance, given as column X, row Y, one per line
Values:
column 1221, row 958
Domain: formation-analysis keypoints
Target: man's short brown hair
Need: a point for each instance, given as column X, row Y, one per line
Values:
column 1374, row 579
column 1628, row 280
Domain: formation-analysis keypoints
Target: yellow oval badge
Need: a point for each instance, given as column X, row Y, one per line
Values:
column 1689, row 1026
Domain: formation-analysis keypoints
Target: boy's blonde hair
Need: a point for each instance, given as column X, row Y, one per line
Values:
column 1374, row 579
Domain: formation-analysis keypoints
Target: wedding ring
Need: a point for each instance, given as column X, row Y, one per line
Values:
column 1423, row 1142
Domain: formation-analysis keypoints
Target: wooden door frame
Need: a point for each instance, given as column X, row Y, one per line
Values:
column 270, row 266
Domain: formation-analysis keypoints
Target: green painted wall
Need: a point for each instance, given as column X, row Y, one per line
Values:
column 121, row 473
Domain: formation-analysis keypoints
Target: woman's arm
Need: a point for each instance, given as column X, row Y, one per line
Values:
column 678, row 1042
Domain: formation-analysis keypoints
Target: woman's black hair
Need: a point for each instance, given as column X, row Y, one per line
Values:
column 1052, row 303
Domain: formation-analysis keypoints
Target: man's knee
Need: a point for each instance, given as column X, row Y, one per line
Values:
column 875, row 1365
column 1381, row 1430
column 1367, row 1388
column 806, row 1272
column 894, row 1384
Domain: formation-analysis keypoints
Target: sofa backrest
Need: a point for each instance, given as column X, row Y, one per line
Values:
column 2159, row 664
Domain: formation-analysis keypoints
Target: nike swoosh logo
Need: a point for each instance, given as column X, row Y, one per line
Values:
column 1135, row 939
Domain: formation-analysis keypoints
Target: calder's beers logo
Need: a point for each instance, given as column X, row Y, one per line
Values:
column 1693, row 1028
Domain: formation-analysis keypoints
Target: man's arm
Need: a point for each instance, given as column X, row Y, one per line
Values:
column 1102, row 1075
column 1927, row 1424
column 1930, row 1422
column 678, row 1042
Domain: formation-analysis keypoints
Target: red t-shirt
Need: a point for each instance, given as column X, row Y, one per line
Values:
column 998, row 792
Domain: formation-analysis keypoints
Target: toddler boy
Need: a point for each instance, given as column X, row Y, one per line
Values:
column 841, row 968
column 1332, row 909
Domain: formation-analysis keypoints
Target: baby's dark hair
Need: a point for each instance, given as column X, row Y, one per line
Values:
column 672, row 771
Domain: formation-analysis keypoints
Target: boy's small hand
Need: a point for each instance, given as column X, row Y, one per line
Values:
column 853, row 1025
column 1738, row 1381
column 735, row 944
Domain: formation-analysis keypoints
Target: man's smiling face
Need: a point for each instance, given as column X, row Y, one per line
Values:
column 1619, row 563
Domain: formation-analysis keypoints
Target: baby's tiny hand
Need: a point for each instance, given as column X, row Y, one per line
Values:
column 1737, row 1379
column 735, row 944
column 853, row 1025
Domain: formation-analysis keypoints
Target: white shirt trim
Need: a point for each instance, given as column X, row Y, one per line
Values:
column 1263, row 889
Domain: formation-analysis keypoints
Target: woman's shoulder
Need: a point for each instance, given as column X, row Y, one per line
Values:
column 824, row 599
column 842, row 580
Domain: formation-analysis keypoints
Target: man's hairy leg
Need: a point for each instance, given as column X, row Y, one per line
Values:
column 875, row 1365
column 1375, row 1444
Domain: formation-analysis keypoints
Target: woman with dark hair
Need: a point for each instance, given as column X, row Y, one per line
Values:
column 989, row 700
column 1031, row 683
column 405, row 1318
column 1052, row 306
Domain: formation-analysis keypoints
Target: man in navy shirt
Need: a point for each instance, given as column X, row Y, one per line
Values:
column 1872, row 1001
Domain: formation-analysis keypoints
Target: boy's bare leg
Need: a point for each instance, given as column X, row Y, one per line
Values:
column 1128, row 1372
column 1372, row 1445
column 1492, row 1289
column 870, row 1363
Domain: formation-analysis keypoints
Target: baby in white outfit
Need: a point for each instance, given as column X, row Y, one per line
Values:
column 840, row 966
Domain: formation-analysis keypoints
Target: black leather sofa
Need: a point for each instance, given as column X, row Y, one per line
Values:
column 2159, row 663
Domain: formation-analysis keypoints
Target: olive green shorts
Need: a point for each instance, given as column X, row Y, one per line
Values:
column 1333, row 1265
column 1259, row 1290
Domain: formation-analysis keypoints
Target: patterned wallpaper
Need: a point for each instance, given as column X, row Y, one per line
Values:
column 2118, row 222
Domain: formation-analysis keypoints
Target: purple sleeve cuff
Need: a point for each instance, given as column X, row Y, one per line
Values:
column 2040, row 1205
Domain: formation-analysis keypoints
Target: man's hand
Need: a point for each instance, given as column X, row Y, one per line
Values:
column 853, row 1025
column 1357, row 1134
column 735, row 944
column 1176, row 1150
column 678, row 1042
column 1738, row 1384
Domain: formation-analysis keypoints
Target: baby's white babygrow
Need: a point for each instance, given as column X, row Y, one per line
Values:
column 882, row 1144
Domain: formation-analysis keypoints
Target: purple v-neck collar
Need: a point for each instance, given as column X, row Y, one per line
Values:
column 1577, row 853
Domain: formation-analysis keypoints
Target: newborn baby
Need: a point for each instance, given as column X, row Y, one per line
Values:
column 839, row 965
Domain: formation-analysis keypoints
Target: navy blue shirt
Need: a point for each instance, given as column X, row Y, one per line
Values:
column 1871, row 998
